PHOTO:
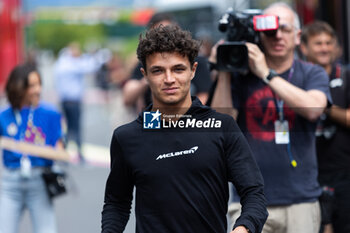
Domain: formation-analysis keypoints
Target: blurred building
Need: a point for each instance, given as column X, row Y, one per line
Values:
column 118, row 19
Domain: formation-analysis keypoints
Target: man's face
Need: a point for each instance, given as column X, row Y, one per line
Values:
column 281, row 45
column 169, row 76
column 319, row 49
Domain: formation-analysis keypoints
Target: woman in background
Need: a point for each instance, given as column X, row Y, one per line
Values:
column 27, row 120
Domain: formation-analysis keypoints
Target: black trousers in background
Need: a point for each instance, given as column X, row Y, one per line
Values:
column 72, row 112
column 340, row 208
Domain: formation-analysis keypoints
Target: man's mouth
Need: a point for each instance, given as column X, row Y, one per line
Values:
column 170, row 90
column 278, row 47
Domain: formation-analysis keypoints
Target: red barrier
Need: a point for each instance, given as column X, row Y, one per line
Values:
column 11, row 38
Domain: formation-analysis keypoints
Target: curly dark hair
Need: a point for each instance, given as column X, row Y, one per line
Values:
column 18, row 83
column 167, row 39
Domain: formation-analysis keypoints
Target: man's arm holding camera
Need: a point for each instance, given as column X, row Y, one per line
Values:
column 309, row 104
column 222, row 98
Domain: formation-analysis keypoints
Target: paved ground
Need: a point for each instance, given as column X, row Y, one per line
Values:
column 80, row 210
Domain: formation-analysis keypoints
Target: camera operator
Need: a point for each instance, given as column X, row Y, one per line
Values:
column 278, row 104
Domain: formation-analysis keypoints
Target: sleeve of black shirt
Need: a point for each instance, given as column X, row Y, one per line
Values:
column 119, row 192
column 136, row 73
column 347, row 87
column 202, row 80
column 245, row 175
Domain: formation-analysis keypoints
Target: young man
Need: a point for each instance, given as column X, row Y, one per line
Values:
column 318, row 43
column 137, row 85
column 181, row 173
column 277, row 112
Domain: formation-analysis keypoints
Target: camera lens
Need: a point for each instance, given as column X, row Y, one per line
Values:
column 236, row 56
column 232, row 56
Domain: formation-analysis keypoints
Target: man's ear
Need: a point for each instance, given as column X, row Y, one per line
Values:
column 303, row 49
column 194, row 68
column 143, row 71
column 297, row 37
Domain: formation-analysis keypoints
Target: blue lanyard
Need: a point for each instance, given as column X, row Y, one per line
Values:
column 279, row 107
column 278, row 102
column 25, row 162
column 30, row 121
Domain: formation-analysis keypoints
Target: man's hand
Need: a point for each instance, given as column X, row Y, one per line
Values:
column 257, row 62
column 240, row 229
column 213, row 53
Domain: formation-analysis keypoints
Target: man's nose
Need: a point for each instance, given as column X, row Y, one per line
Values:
column 325, row 47
column 278, row 33
column 169, row 77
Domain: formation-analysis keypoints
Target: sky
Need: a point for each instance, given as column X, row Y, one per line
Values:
column 30, row 5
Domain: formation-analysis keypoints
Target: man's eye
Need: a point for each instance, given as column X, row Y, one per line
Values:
column 286, row 28
column 179, row 69
column 156, row 71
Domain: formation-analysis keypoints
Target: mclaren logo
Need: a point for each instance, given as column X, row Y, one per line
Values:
column 178, row 153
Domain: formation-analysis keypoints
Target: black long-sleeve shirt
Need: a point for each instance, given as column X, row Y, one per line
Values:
column 181, row 177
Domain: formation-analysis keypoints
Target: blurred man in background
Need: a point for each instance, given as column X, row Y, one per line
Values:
column 70, row 70
column 318, row 44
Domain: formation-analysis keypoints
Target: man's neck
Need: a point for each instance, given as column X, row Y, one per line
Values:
column 328, row 69
column 279, row 64
column 173, row 110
